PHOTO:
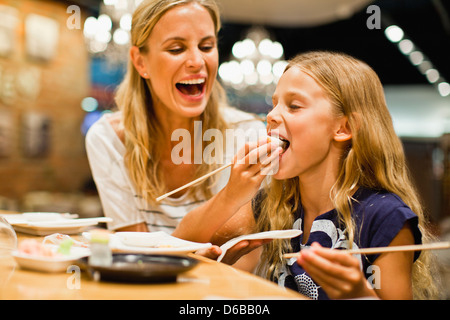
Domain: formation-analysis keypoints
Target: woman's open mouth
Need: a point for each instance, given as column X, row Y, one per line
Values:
column 192, row 88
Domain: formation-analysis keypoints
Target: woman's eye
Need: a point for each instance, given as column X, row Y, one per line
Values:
column 206, row 47
column 294, row 107
column 175, row 50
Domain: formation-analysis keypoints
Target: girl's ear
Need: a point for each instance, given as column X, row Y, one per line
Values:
column 138, row 61
column 343, row 132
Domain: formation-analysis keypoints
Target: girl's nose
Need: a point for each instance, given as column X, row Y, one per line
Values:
column 273, row 118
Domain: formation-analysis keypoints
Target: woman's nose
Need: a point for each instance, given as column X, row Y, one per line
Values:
column 195, row 59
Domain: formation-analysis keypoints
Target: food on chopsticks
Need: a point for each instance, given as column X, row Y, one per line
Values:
column 283, row 143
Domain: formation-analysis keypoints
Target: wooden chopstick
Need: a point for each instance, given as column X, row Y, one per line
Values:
column 193, row 182
column 375, row 250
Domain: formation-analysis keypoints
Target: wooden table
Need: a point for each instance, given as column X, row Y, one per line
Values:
column 208, row 280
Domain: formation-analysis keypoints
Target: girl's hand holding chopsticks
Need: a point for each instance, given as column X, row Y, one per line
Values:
column 336, row 271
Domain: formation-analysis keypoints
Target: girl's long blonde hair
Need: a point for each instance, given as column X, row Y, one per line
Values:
column 375, row 158
column 134, row 99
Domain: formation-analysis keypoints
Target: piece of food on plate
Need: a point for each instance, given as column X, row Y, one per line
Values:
column 36, row 248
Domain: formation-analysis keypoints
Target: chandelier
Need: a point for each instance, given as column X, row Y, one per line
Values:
column 256, row 64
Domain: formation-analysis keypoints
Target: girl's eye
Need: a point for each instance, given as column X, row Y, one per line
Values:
column 294, row 107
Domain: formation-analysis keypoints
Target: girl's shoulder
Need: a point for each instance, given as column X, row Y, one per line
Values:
column 379, row 216
column 378, row 203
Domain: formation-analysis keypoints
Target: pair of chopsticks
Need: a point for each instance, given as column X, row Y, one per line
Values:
column 377, row 250
column 193, row 182
column 269, row 139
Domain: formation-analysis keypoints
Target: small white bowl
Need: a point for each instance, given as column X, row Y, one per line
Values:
column 50, row 264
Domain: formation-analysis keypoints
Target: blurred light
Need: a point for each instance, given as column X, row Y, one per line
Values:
column 96, row 47
column 247, row 66
column 277, row 50
column 103, row 36
column 249, row 46
column 444, row 89
column 224, row 71
column 264, row 67
column 251, row 79
column 425, row 66
column 278, row 68
column 121, row 37
column 109, row 2
column 416, row 57
column 89, row 104
column 432, row 75
column 244, row 48
column 394, row 33
column 105, row 22
column 265, row 47
column 255, row 64
column 266, row 78
column 406, row 46
column 90, row 27
column 125, row 21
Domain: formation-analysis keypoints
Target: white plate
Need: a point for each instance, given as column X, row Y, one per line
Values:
column 50, row 264
column 274, row 234
column 26, row 217
column 151, row 243
column 65, row 226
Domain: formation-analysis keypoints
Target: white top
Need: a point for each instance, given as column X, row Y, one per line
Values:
column 119, row 200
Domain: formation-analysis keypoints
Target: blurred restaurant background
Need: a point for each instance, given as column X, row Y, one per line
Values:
column 60, row 62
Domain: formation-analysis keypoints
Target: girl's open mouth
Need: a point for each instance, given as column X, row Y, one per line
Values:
column 193, row 87
column 283, row 143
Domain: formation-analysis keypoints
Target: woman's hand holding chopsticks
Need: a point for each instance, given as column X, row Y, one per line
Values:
column 249, row 168
column 251, row 165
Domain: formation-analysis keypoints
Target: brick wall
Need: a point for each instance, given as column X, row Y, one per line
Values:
column 59, row 164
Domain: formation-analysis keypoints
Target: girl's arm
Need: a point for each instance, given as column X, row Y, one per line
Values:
column 340, row 275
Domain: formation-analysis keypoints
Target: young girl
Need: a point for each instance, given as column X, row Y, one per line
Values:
column 343, row 181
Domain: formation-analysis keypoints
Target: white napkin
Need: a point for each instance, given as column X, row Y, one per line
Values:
column 274, row 234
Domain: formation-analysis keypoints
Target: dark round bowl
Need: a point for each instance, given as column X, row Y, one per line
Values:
column 141, row 268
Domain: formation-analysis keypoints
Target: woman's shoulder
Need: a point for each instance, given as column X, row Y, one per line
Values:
column 106, row 131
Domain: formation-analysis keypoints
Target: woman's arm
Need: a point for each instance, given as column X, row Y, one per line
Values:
column 202, row 223
column 245, row 254
column 140, row 227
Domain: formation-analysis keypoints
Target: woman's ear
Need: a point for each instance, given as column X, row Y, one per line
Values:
column 138, row 61
column 343, row 132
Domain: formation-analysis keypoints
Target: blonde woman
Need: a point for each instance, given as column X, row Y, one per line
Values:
column 170, row 85
column 343, row 181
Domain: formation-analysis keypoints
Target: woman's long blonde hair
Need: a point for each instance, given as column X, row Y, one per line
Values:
column 134, row 99
column 375, row 158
